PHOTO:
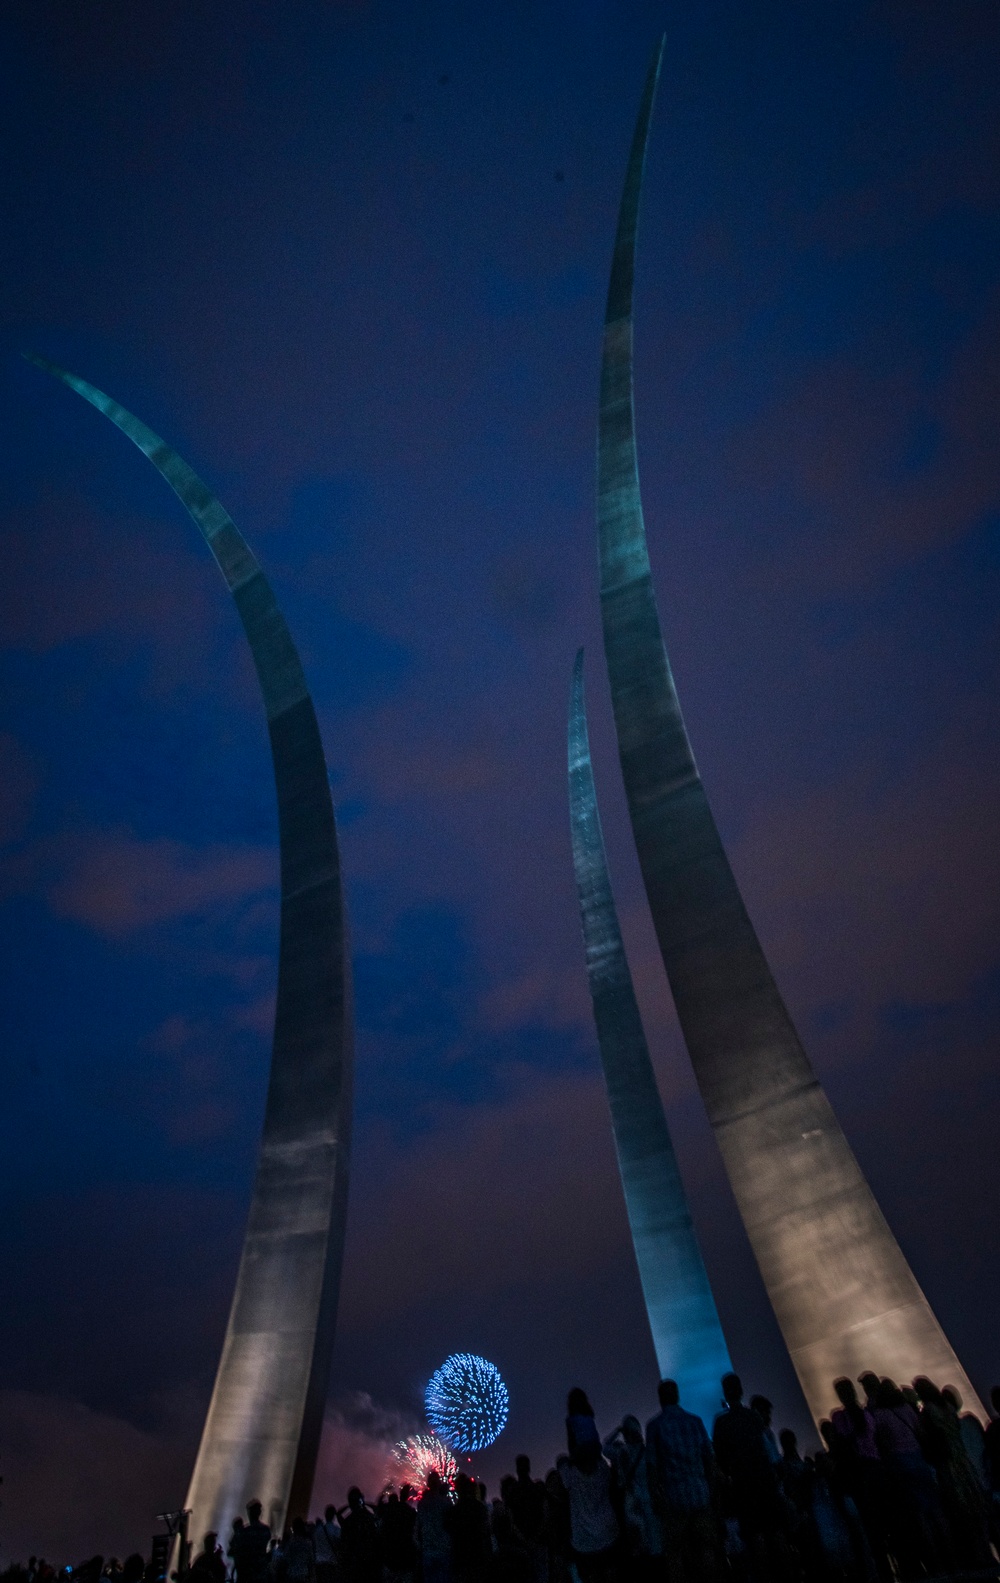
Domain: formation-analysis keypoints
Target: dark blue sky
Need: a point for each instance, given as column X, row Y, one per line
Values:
column 350, row 260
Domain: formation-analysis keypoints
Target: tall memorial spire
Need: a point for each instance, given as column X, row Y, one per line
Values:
column 261, row 1436
column 843, row 1293
column 690, row 1347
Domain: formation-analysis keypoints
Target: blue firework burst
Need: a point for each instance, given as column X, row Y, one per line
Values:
column 466, row 1402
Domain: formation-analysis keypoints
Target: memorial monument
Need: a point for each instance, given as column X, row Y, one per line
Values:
column 687, row 1337
column 843, row 1293
column 261, row 1436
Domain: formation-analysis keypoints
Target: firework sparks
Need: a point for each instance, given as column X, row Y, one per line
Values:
column 420, row 1455
column 466, row 1402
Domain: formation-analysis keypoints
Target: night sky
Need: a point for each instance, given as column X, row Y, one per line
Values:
column 350, row 259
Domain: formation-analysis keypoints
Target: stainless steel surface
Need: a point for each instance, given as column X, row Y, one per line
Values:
column 261, row 1436
column 690, row 1347
column 843, row 1293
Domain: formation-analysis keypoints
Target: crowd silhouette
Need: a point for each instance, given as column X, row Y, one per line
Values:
column 905, row 1487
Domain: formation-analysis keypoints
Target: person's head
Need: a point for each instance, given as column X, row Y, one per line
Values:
column 732, row 1389
column 789, row 1445
column 846, row 1394
column 631, row 1430
column 926, row 1391
column 826, row 1433
column 254, row 1509
column 763, row 1408
column 355, row 1499
column 869, row 1383
column 463, row 1486
column 208, row 1543
column 951, row 1398
column 406, row 1493
column 888, row 1394
column 577, row 1405
column 433, row 1482
column 668, row 1393
column 508, row 1486
column 330, row 1513
column 522, row 1466
column 238, row 1524
column 300, row 1528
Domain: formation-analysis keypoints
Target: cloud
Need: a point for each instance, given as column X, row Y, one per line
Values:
column 194, row 1085
column 885, row 890
column 413, row 752
column 870, row 467
column 18, row 785
column 536, row 1165
column 117, row 883
column 525, row 594
column 79, row 1482
column 71, row 573
column 358, row 1437
column 546, row 994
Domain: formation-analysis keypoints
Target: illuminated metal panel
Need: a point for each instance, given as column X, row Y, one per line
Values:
column 843, row 1293
column 690, row 1347
column 261, row 1436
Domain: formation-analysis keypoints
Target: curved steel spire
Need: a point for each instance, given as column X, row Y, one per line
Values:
column 843, row 1293
column 261, row 1436
column 687, row 1336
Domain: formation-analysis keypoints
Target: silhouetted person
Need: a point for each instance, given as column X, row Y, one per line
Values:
column 360, row 1542
column 557, row 1528
column 326, row 1542
column 524, row 1498
column 870, row 1384
column 237, row 1528
column 468, row 1525
column 793, row 1473
column 916, row 1518
column 962, row 1494
column 805, row 1492
column 682, row 1477
column 399, row 1547
column 765, row 1411
column 971, row 1431
column 132, row 1568
column 297, row 1563
column 88, row 1571
column 744, row 1459
column 593, row 1523
column 432, row 1533
column 248, row 1546
column 625, row 1449
column 209, row 1565
column 835, row 1529
column 861, row 1470
column 512, row 1562
column 581, row 1428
